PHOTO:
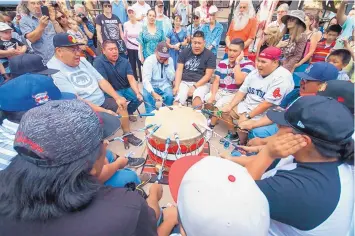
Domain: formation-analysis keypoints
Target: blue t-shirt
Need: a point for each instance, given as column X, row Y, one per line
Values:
column 348, row 28
column 115, row 74
column 290, row 98
column 82, row 80
column 310, row 198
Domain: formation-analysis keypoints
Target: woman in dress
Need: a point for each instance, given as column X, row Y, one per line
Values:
column 131, row 33
column 150, row 36
column 176, row 39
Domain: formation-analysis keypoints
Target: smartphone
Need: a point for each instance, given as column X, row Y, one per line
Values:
column 285, row 37
column 45, row 11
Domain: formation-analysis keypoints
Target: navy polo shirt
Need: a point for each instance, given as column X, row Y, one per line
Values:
column 115, row 74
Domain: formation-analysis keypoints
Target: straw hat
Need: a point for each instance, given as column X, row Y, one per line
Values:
column 296, row 14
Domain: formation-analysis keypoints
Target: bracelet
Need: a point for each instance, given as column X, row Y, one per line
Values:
column 195, row 86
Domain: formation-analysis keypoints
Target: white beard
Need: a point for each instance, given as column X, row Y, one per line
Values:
column 240, row 21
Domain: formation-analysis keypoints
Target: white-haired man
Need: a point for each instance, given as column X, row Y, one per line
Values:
column 243, row 25
column 281, row 11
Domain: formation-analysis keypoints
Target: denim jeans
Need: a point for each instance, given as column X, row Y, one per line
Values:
column 130, row 96
column 121, row 177
column 167, row 96
column 263, row 132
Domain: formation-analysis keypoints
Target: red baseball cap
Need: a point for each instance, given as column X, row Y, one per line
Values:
column 272, row 53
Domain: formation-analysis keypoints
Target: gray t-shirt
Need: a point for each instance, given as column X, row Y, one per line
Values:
column 81, row 80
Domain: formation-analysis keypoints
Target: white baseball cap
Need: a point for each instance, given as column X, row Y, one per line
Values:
column 217, row 197
column 4, row 26
column 213, row 9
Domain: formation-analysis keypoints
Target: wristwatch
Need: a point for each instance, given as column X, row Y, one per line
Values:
column 247, row 116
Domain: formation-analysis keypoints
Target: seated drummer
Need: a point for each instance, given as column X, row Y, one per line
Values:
column 194, row 71
column 314, row 194
column 118, row 72
column 262, row 89
column 158, row 75
column 230, row 75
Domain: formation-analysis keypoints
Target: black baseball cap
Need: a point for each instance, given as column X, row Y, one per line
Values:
column 65, row 40
column 29, row 63
column 321, row 118
column 340, row 90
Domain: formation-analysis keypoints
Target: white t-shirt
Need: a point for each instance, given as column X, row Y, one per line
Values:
column 272, row 88
column 81, row 80
column 141, row 10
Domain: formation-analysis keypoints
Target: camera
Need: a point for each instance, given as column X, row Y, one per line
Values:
column 84, row 18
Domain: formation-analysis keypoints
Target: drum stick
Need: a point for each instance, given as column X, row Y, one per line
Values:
column 144, row 114
column 209, row 129
column 177, row 140
column 161, row 170
column 199, row 130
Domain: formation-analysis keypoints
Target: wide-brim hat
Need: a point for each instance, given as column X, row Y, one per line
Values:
column 296, row 14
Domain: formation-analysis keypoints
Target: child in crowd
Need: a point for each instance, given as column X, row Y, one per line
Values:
column 80, row 37
column 340, row 58
column 9, row 46
column 326, row 44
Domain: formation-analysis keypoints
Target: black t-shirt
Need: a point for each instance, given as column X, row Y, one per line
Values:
column 12, row 43
column 109, row 27
column 114, row 212
column 195, row 65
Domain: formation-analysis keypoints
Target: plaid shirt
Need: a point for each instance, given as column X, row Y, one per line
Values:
column 7, row 137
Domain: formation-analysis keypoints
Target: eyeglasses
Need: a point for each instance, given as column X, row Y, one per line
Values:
column 280, row 12
column 60, row 17
column 73, row 49
column 107, row 6
column 196, row 17
column 130, row 12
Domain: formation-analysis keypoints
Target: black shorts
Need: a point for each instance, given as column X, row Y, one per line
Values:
column 110, row 104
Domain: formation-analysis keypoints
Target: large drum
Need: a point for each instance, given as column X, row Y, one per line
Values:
column 178, row 120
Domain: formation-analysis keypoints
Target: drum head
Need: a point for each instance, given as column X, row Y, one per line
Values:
column 178, row 120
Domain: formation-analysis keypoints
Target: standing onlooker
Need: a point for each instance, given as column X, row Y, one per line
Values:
column 213, row 31
column 195, row 26
column 150, row 36
column 203, row 11
column 109, row 27
column 243, row 25
column 119, row 8
column 9, row 46
column 184, row 9
column 131, row 33
column 294, row 42
column 39, row 29
column 176, row 40
column 313, row 36
column 346, row 22
column 86, row 25
column 141, row 9
column 281, row 11
column 162, row 21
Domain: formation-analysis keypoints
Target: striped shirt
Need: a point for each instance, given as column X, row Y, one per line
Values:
column 322, row 51
column 7, row 137
column 226, row 74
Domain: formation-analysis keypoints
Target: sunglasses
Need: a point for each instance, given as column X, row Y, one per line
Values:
column 292, row 19
column 61, row 17
column 107, row 6
column 196, row 17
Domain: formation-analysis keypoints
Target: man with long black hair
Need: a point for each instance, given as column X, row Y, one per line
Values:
column 51, row 186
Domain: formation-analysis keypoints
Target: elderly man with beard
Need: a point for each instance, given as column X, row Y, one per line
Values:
column 243, row 25
column 162, row 21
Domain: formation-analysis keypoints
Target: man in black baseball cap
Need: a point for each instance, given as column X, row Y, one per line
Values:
column 313, row 193
column 29, row 63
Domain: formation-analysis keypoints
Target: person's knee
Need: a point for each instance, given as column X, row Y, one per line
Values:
column 122, row 177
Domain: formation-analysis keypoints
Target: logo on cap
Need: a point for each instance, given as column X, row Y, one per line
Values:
column 164, row 49
column 308, row 69
column 300, row 124
column 322, row 87
column 41, row 98
column 71, row 39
